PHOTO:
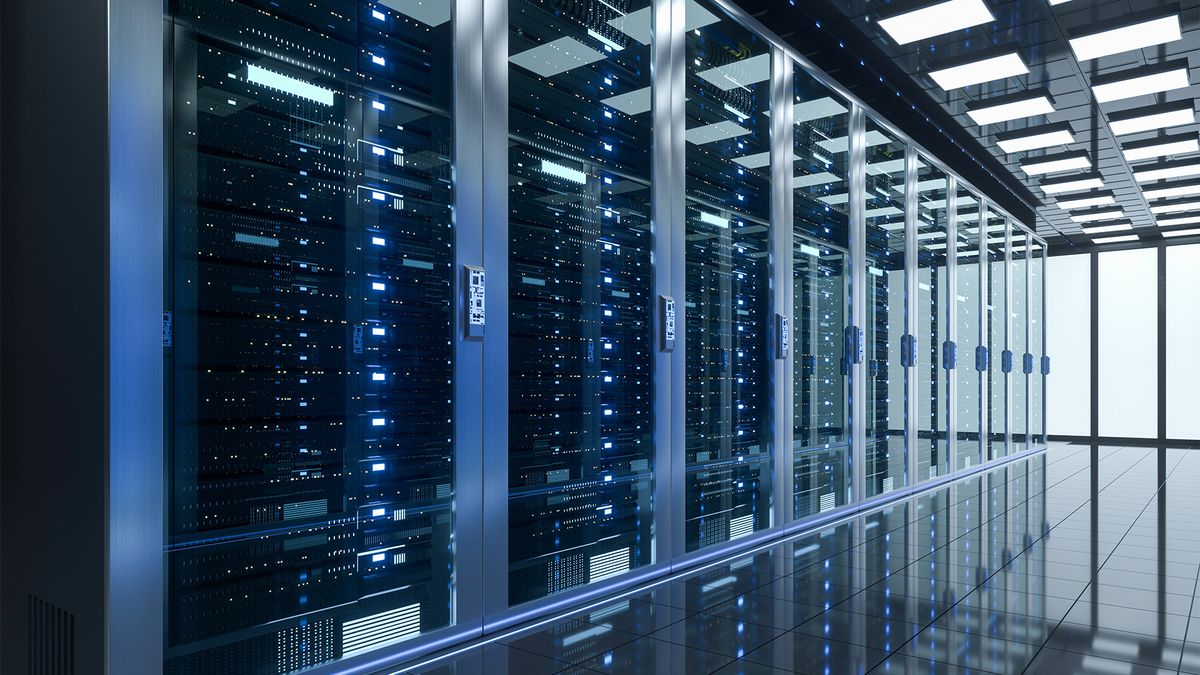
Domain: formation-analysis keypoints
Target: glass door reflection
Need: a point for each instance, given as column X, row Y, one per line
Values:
column 971, row 363
column 931, row 309
column 885, row 452
column 996, row 331
column 820, row 296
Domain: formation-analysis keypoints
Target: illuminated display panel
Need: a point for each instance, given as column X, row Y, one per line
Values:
column 580, row 364
column 728, row 450
column 885, row 452
column 820, row 296
column 311, row 451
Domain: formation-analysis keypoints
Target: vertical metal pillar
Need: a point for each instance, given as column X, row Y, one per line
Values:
column 950, row 316
column 782, row 161
column 670, row 18
column 667, row 225
column 857, row 191
column 495, row 344
column 1008, row 341
column 912, row 372
column 468, row 513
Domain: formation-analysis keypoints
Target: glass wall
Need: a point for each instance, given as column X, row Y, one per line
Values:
column 311, row 423
column 728, row 279
column 1018, row 335
column 884, row 330
column 580, row 368
column 972, row 361
column 997, row 334
column 821, row 268
column 331, row 198
column 931, row 310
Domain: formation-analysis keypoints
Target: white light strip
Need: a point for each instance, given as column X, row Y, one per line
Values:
column 1072, row 185
column 1175, row 208
column 1035, row 141
column 1171, row 191
column 939, row 19
column 1175, row 147
column 978, row 72
column 287, row 84
column 1127, row 38
column 1084, row 202
column 1177, row 220
column 563, row 172
column 1105, row 214
column 713, row 219
column 1164, row 119
column 1178, row 171
column 1114, row 240
column 1005, row 112
column 1182, row 233
column 1141, row 85
column 1104, row 229
column 1044, row 165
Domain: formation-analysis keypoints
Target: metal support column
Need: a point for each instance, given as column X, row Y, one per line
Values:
column 782, row 161
column 857, row 188
column 1008, row 341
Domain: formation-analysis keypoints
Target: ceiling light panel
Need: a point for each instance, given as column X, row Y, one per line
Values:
column 1177, row 220
column 1147, row 33
column 1071, row 184
column 1064, row 161
column 1034, row 138
column 1161, row 147
column 1182, row 189
column 1106, row 229
column 1115, row 240
column 1151, row 118
column 1012, row 107
column 1182, row 233
column 1141, row 81
column 978, row 72
column 1165, row 170
column 936, row 19
column 1085, row 201
column 1098, row 214
column 1177, row 206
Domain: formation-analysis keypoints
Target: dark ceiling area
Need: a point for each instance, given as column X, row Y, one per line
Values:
column 1105, row 116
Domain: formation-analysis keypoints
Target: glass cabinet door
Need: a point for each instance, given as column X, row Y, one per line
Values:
column 820, row 297
column 970, row 336
column 580, row 296
column 996, row 332
column 310, row 410
column 1037, row 326
column 931, row 309
column 885, row 451
column 1018, row 339
column 728, row 450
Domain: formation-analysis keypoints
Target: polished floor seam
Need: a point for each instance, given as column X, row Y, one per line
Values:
column 1187, row 627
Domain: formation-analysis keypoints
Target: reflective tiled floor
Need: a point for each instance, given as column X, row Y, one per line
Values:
column 1079, row 560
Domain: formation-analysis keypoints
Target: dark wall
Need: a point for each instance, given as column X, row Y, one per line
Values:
column 53, row 262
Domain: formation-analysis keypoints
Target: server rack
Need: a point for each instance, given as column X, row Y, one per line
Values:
column 443, row 183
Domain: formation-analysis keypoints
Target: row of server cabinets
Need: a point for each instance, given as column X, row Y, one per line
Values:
column 453, row 337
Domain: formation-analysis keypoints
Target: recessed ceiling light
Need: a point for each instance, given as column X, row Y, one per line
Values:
column 1141, row 81
column 937, row 19
column 1182, row 233
column 1035, row 137
column 1063, row 161
column 1152, row 117
column 1104, row 229
column 1098, row 214
column 1071, row 184
column 1058, row 2
column 1084, row 201
column 1163, row 170
column 1177, row 220
column 1114, row 240
column 1146, row 33
column 980, row 71
column 1180, row 189
column 1161, row 147
column 1176, row 206
column 1011, row 107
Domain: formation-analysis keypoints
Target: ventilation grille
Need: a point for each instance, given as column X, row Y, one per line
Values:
column 828, row 501
column 887, row 484
column 51, row 639
column 566, row 572
column 741, row 526
column 368, row 632
column 608, row 564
